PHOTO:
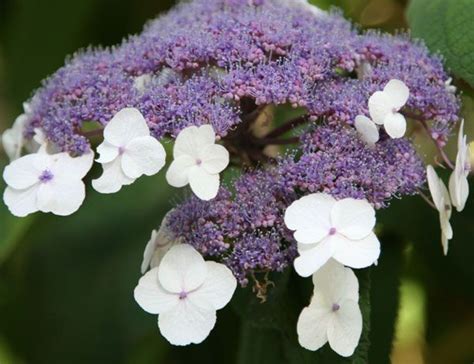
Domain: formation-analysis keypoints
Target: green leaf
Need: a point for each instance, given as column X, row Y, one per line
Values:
column 446, row 26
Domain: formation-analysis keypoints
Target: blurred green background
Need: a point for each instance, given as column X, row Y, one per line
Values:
column 66, row 283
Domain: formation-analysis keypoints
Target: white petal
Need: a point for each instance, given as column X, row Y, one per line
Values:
column 125, row 126
column 144, row 155
column 312, row 326
column 346, row 328
column 186, row 324
column 311, row 259
column 458, row 189
column 367, row 129
column 444, row 243
column 395, row 125
column 398, row 93
column 191, row 139
column 356, row 253
column 310, row 217
column 151, row 296
column 61, row 196
column 438, row 190
column 68, row 167
column 217, row 289
column 379, row 107
column 112, row 178
column 25, row 171
column 21, row 202
column 353, row 218
column 182, row 269
column 204, row 185
column 107, row 151
column 336, row 282
column 12, row 139
column 214, row 157
column 177, row 174
column 149, row 251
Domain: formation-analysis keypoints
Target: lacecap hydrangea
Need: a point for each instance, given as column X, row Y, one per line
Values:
column 210, row 75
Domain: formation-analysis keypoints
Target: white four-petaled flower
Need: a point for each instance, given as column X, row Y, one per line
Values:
column 384, row 107
column 160, row 242
column 442, row 201
column 198, row 161
column 333, row 315
column 185, row 291
column 326, row 228
column 458, row 184
column 127, row 152
column 46, row 182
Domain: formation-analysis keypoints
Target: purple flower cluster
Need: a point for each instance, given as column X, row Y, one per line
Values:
column 246, row 228
column 222, row 51
column 218, row 61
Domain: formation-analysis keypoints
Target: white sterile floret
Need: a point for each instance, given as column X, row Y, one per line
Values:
column 185, row 291
column 442, row 201
column 367, row 129
column 458, row 184
column 160, row 242
column 46, row 182
column 13, row 139
column 326, row 228
column 384, row 106
column 308, row 6
column 142, row 82
column 449, row 87
column 127, row 152
column 198, row 161
column 333, row 315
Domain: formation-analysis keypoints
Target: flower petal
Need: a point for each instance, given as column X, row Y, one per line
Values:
column 25, row 171
column 398, row 93
column 112, row 178
column 125, row 126
column 310, row 217
column 204, row 185
column 149, row 251
column 217, row 289
column 21, row 202
column 312, row 326
column 437, row 188
column 379, row 107
column 458, row 189
column 186, row 324
column 68, row 167
column 191, row 139
column 345, row 329
column 356, row 253
column 313, row 258
column 61, row 196
column 177, row 174
column 336, row 282
column 395, row 125
column 107, row 151
column 151, row 296
column 367, row 129
column 182, row 269
column 353, row 218
column 143, row 156
column 214, row 157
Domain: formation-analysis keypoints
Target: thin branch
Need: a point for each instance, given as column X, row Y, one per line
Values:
column 288, row 126
column 427, row 199
column 276, row 141
column 441, row 152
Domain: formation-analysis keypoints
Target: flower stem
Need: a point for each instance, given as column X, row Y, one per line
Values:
column 288, row 126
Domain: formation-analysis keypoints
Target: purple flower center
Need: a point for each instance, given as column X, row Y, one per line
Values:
column 335, row 307
column 332, row 231
column 183, row 295
column 121, row 150
column 45, row 176
column 198, row 161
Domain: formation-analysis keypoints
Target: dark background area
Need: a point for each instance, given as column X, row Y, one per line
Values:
column 66, row 283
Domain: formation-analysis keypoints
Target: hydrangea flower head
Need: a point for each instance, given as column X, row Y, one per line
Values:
column 211, row 88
